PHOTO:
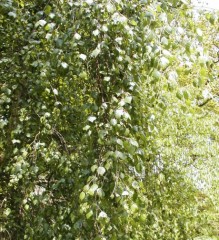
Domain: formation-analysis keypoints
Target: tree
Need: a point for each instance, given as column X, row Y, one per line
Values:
column 99, row 119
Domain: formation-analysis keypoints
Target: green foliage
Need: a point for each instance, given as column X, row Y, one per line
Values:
column 102, row 119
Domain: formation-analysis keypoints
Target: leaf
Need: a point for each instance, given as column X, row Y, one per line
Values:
column 119, row 113
column 134, row 207
column 104, row 28
column 100, row 192
column 119, row 40
column 86, row 188
column 106, row 79
column 102, row 134
column 164, row 62
column 47, row 9
column 89, row 2
column 82, row 196
column 91, row 118
column 122, row 103
column 96, row 52
column 15, row 141
column 48, row 36
column 110, row 8
column 55, row 91
column 199, row 32
column 40, row 23
column 164, row 41
column 126, row 115
column 7, row 212
column 134, row 143
column 133, row 23
column 156, row 74
column 83, row 56
column 186, row 95
column 93, row 168
column 113, row 122
column 102, row 214
column 96, row 32
column 92, row 189
column 173, row 76
column 135, row 185
column 128, row 99
column 118, row 18
column 120, row 155
column 101, row 171
column 50, row 26
column 12, row 14
column 64, row 64
column 89, row 214
column 125, row 193
column 77, row 36
column 86, row 127
column 83, row 75
column 52, row 15
column 179, row 95
column 120, row 142
column 206, row 94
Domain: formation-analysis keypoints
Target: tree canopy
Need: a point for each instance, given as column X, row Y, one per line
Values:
column 108, row 120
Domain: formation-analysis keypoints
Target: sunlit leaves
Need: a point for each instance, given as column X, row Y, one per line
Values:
column 40, row 23
column 96, row 52
column 100, row 105
column 83, row 56
column 92, row 189
column 101, row 170
column 91, row 118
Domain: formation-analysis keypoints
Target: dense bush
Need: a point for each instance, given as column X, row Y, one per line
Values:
column 107, row 108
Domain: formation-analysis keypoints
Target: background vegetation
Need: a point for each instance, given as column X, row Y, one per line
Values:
column 109, row 120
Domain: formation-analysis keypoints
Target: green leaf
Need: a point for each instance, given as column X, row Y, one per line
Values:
column 179, row 95
column 83, row 75
column 113, row 122
column 47, row 9
column 83, row 56
column 199, row 32
column 89, row 214
column 120, row 142
column 101, row 170
column 128, row 99
column 96, row 52
column 7, row 212
column 134, row 207
column 89, row 2
column 186, row 95
column 133, row 23
column 106, row 79
column 82, row 196
column 92, row 189
column 55, row 91
column 12, row 14
column 86, row 128
column 110, row 7
column 64, row 64
column 50, row 26
column 91, row 118
column 134, row 143
column 119, row 113
column 120, row 155
column 156, row 74
column 77, row 36
column 93, row 168
column 100, row 192
column 102, row 214
column 40, row 23
column 96, row 32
